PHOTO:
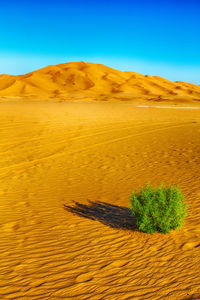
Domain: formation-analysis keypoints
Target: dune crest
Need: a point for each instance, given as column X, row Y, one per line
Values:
column 88, row 80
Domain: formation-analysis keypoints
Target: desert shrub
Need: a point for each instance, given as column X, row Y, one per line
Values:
column 158, row 209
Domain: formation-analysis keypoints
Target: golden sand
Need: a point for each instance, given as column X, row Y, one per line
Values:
column 80, row 80
column 67, row 170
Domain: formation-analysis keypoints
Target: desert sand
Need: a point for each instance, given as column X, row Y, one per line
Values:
column 67, row 170
column 80, row 80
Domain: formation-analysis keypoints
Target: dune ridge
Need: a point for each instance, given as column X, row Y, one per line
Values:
column 94, row 81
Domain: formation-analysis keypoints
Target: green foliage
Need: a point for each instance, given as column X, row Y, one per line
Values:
column 158, row 209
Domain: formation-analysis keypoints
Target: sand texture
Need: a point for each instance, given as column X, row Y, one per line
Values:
column 80, row 80
column 67, row 170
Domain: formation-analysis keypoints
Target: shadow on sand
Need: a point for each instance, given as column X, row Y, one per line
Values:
column 111, row 215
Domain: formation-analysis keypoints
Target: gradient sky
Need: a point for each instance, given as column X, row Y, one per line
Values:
column 149, row 37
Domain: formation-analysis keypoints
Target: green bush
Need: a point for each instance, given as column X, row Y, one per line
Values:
column 158, row 209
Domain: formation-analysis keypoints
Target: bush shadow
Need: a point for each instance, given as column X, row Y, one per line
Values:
column 111, row 215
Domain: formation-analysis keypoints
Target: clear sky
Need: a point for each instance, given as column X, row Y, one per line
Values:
column 150, row 37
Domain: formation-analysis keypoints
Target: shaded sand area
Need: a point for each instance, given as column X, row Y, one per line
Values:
column 89, row 156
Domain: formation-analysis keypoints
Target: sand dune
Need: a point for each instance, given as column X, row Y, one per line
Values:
column 67, row 170
column 94, row 81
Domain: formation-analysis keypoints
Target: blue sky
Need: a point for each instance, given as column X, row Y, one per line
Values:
column 149, row 37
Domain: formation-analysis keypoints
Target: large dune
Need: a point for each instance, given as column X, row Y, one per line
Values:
column 95, row 81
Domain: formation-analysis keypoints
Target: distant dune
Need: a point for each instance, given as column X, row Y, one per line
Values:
column 94, row 81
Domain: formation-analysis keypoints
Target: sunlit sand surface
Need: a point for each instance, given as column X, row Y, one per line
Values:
column 67, row 170
column 80, row 80
column 176, row 107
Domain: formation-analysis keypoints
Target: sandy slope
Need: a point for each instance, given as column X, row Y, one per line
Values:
column 94, row 81
column 89, row 157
